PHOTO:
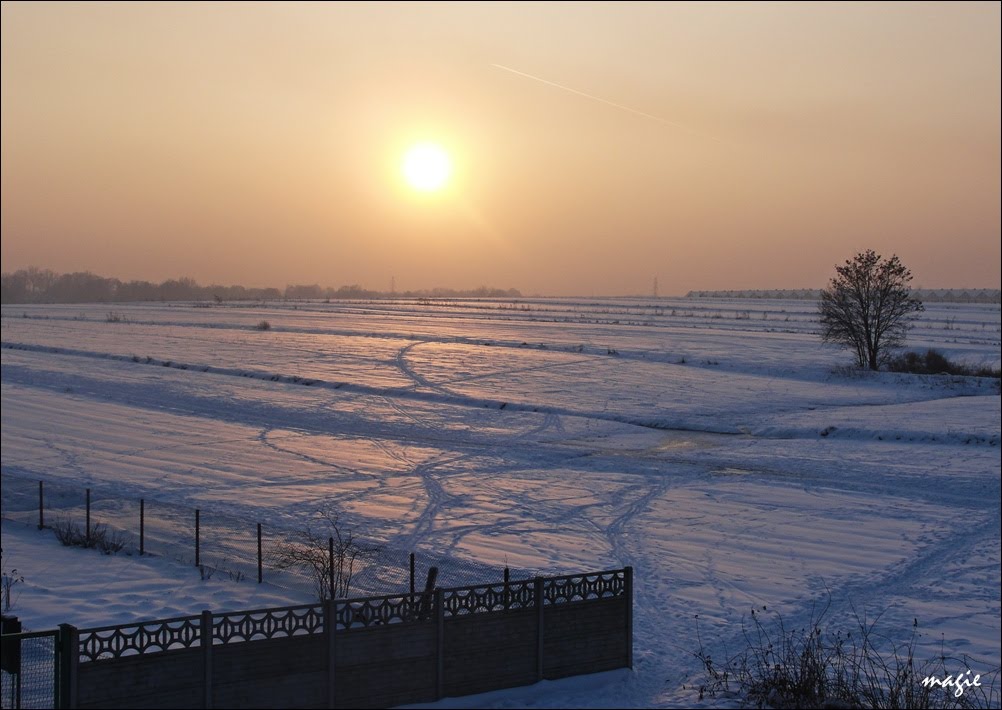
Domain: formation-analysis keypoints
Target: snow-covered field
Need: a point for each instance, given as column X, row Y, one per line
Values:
column 715, row 445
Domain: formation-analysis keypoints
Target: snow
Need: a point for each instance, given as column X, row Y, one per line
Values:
column 86, row 588
column 715, row 445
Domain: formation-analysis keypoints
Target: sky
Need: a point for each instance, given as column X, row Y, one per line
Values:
column 594, row 147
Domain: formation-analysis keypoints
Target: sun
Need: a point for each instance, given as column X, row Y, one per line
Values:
column 426, row 167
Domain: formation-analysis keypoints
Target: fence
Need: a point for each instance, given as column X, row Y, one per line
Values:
column 221, row 544
column 29, row 667
column 367, row 652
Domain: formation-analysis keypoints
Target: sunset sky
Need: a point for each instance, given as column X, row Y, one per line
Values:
column 593, row 146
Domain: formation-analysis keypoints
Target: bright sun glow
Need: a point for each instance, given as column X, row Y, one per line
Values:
column 426, row 167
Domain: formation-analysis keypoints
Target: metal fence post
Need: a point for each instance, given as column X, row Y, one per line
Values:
column 87, row 529
column 412, row 576
column 197, row 532
column 260, row 563
column 205, row 636
column 538, row 596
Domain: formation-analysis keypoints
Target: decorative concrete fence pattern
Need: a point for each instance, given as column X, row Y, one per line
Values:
column 371, row 652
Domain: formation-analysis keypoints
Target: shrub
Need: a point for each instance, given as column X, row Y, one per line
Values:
column 309, row 551
column 263, row 325
column 933, row 362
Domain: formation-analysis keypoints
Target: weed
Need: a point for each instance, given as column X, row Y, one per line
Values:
column 263, row 325
column 71, row 535
column 8, row 581
column 827, row 667
column 850, row 372
column 206, row 571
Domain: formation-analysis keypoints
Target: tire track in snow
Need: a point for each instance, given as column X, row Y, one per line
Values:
column 411, row 373
column 269, row 442
column 428, row 472
column 868, row 596
column 433, row 482
column 437, row 395
column 438, row 498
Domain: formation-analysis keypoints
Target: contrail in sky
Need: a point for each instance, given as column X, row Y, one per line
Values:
column 660, row 120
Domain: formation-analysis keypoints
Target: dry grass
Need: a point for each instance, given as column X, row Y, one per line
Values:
column 824, row 666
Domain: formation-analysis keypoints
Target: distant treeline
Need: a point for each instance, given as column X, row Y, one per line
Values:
column 33, row 285
column 929, row 295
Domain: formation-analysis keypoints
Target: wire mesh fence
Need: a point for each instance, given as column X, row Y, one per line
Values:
column 221, row 545
column 28, row 677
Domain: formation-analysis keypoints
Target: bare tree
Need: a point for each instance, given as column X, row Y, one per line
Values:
column 868, row 306
column 309, row 551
